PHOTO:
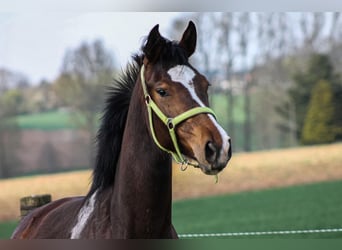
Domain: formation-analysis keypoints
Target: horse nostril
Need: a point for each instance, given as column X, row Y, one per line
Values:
column 210, row 152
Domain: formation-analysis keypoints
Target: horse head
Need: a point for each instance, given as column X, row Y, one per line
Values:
column 181, row 121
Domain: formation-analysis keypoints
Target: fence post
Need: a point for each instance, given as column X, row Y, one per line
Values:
column 29, row 203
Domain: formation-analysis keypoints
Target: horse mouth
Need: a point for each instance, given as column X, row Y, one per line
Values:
column 208, row 169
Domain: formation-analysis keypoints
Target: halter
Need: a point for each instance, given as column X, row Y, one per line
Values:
column 170, row 123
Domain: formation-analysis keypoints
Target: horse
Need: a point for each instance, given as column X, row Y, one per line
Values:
column 157, row 110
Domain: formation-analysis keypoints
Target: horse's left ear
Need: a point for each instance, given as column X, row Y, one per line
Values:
column 189, row 38
column 154, row 45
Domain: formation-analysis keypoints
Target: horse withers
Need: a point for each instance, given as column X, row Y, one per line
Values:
column 157, row 110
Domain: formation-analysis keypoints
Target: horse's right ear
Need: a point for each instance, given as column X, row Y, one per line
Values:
column 189, row 38
column 154, row 45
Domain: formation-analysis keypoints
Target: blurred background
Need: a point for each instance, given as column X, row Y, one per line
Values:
column 276, row 89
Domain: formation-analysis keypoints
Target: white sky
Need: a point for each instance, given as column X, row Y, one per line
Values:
column 34, row 43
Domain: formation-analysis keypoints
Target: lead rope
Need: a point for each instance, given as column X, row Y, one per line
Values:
column 184, row 166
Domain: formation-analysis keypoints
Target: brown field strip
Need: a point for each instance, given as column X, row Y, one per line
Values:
column 250, row 171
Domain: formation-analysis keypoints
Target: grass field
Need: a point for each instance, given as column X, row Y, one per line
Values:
column 45, row 121
column 220, row 103
column 245, row 172
column 314, row 206
column 57, row 120
column 7, row 228
column 54, row 120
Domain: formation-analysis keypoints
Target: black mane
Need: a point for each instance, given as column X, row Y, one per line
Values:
column 109, row 136
column 110, row 133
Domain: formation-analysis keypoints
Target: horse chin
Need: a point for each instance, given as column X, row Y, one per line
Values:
column 208, row 170
column 205, row 167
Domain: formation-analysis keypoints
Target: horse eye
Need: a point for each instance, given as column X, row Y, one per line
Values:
column 161, row 92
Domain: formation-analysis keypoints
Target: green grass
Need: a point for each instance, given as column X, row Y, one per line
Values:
column 53, row 120
column 6, row 229
column 315, row 206
column 220, row 103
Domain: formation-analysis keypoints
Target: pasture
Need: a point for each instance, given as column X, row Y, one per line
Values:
column 45, row 121
column 53, row 120
column 246, row 172
column 311, row 206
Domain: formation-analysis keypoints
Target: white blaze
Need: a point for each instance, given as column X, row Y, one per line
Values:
column 184, row 75
column 83, row 216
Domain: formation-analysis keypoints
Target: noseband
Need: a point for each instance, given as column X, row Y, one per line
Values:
column 170, row 122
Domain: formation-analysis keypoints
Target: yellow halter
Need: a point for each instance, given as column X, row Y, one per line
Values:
column 170, row 123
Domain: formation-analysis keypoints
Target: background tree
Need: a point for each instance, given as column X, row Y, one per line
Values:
column 270, row 76
column 9, row 132
column 85, row 71
column 206, row 55
column 319, row 124
column 266, row 49
column 225, row 24
column 320, row 68
column 312, row 27
column 244, row 33
column 11, row 80
column 12, row 103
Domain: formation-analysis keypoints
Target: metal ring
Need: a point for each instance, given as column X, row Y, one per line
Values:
column 147, row 99
column 170, row 123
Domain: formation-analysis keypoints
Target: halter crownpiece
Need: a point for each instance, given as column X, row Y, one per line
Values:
column 170, row 122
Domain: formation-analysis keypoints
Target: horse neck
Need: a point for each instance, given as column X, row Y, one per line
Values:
column 142, row 192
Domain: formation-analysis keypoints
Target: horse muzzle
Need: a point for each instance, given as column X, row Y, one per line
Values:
column 216, row 157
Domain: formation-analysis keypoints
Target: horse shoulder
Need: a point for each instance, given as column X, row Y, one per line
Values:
column 43, row 222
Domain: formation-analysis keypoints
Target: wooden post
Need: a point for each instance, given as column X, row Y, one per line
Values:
column 29, row 203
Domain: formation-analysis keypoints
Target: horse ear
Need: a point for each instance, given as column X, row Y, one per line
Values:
column 189, row 38
column 153, row 45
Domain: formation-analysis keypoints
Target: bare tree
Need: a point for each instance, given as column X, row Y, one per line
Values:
column 311, row 25
column 11, row 103
column 11, row 80
column 271, row 74
column 48, row 159
column 243, row 29
column 9, row 135
column 335, row 40
column 206, row 56
column 85, row 72
column 334, row 28
column 268, row 48
column 225, row 26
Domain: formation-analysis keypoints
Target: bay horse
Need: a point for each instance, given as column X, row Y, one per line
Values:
column 157, row 109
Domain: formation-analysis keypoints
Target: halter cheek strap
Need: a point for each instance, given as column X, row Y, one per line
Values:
column 170, row 123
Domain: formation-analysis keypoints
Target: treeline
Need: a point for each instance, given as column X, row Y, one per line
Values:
column 317, row 93
column 285, row 67
column 79, row 89
column 79, row 85
column 274, row 62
